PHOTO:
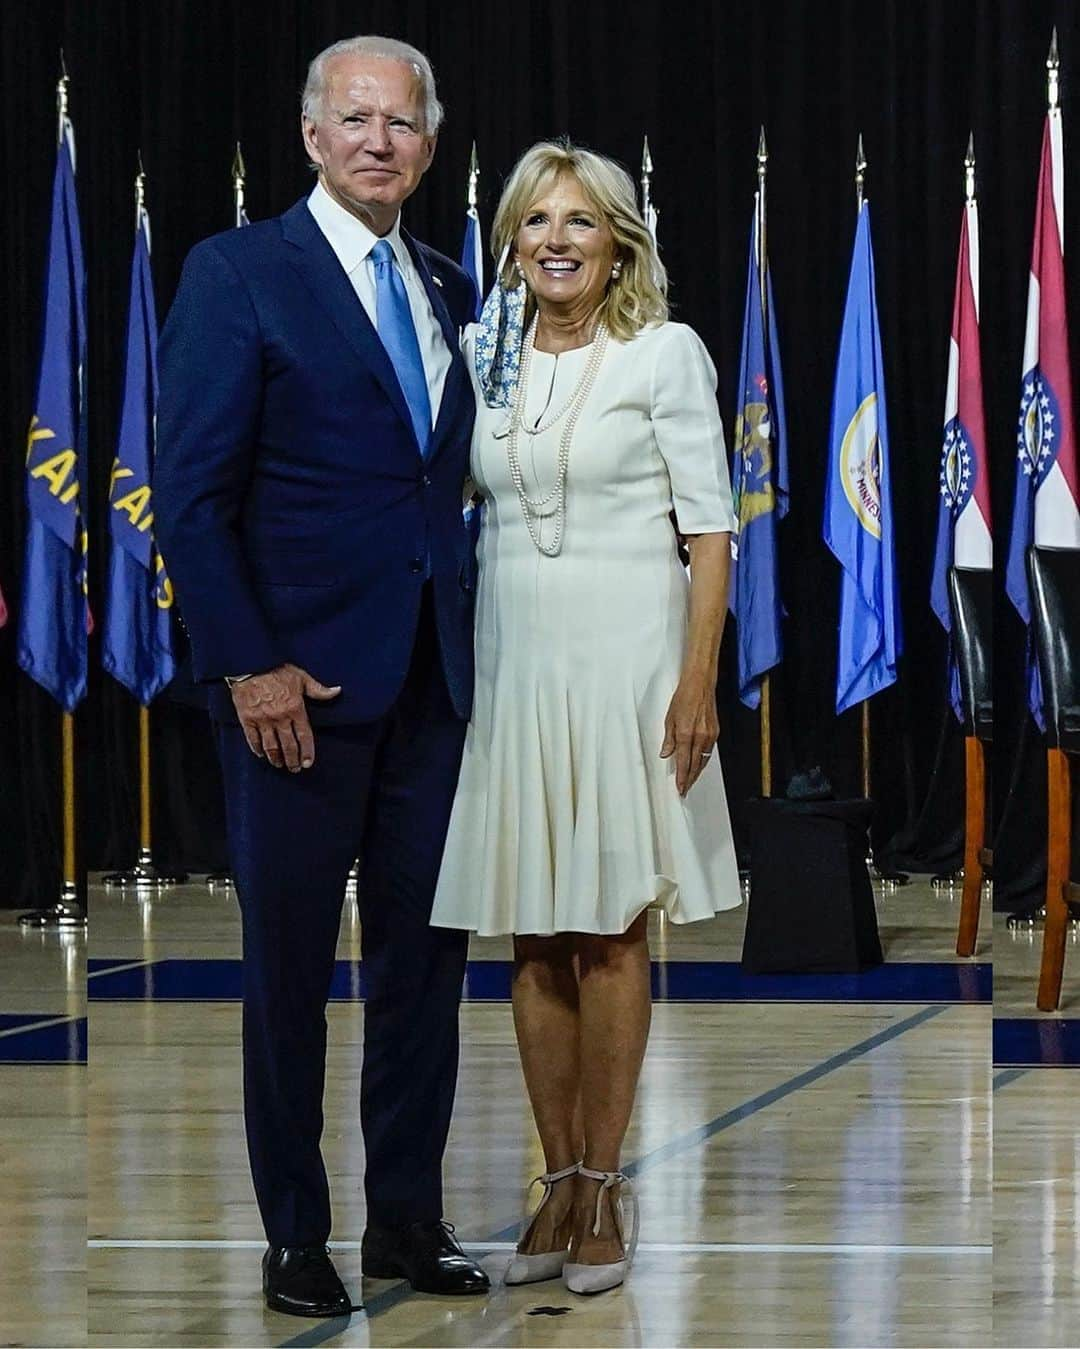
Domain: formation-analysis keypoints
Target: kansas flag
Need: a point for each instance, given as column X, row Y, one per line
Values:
column 760, row 483
column 1045, row 506
column 963, row 528
column 137, row 641
column 858, row 505
column 55, row 615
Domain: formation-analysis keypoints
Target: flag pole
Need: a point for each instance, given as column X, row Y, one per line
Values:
column 68, row 911
column 762, row 266
column 860, row 180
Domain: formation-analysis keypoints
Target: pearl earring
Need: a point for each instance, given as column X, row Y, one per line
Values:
column 616, row 271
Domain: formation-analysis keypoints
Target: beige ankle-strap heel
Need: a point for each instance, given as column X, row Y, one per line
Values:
column 599, row 1278
column 544, row 1264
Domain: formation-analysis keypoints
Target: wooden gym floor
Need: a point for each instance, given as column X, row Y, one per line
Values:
column 812, row 1155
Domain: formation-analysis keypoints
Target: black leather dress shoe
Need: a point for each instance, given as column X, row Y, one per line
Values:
column 427, row 1254
column 302, row 1281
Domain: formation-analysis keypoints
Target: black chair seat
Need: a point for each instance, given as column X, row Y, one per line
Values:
column 971, row 605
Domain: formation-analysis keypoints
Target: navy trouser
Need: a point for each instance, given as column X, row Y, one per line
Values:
column 381, row 792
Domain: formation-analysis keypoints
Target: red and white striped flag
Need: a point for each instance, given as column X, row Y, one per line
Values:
column 1045, row 508
column 964, row 529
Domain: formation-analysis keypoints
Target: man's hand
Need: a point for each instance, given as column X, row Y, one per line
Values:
column 274, row 716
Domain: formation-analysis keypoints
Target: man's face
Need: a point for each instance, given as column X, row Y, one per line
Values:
column 369, row 140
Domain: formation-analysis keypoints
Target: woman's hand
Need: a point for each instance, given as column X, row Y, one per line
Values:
column 690, row 729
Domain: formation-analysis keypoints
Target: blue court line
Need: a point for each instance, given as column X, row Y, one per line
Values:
column 59, row 1040
column 399, row 1292
column 1036, row 1042
column 220, row 980
column 12, row 1020
column 98, row 965
column 1006, row 1076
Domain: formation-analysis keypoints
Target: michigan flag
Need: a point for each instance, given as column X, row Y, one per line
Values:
column 760, row 482
column 54, row 618
column 963, row 527
column 858, row 504
column 137, row 641
column 1045, row 506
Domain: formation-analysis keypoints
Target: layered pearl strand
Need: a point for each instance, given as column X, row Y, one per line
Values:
column 532, row 508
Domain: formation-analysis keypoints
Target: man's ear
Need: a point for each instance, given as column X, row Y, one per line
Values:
column 432, row 142
column 309, row 132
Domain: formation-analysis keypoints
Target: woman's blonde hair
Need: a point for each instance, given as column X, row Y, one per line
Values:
column 638, row 295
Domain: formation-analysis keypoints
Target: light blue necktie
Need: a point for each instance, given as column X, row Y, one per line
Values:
column 393, row 318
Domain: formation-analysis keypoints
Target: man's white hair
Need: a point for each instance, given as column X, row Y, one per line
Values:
column 388, row 48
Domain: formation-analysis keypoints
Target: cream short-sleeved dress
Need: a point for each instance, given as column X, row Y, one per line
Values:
column 566, row 819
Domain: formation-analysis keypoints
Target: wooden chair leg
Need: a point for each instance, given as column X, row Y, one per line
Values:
column 974, row 837
column 1058, row 861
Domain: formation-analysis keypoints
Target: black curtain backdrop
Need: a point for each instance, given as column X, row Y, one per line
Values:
column 182, row 80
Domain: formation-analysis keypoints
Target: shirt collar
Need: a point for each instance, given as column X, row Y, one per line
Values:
column 348, row 236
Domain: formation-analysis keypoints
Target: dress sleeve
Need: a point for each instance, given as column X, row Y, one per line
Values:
column 689, row 433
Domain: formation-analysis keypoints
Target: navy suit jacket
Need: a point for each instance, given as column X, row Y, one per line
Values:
column 292, row 506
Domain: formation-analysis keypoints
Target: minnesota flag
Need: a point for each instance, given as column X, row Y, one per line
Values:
column 858, row 506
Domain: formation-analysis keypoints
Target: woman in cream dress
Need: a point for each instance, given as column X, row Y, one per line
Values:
column 589, row 790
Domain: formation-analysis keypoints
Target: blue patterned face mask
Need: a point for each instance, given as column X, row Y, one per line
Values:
column 497, row 349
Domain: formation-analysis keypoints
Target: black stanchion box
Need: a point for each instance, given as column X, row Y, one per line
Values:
column 811, row 898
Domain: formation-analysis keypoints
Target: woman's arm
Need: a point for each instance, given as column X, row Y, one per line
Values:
column 692, row 726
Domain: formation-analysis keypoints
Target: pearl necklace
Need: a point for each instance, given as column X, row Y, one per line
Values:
column 532, row 508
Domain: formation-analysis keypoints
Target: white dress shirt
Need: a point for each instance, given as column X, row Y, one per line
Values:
column 352, row 242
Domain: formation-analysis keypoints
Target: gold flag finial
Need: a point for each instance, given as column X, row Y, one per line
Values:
column 860, row 172
column 969, row 169
column 239, row 172
column 762, row 150
column 1052, row 73
column 474, row 177
column 646, row 160
column 140, row 190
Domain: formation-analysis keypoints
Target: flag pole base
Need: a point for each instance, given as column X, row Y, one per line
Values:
column 144, row 875
column 67, row 912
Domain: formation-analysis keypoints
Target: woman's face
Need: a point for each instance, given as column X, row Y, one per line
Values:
column 566, row 249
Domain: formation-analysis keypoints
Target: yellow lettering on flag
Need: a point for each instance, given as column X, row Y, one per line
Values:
column 118, row 472
column 164, row 592
column 57, row 471
column 36, row 433
column 134, row 505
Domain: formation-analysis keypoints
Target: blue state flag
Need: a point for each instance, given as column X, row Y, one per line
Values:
column 858, row 504
column 760, row 486
column 137, row 640
column 472, row 256
column 55, row 617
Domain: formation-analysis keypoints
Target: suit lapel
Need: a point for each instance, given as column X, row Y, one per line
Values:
column 317, row 263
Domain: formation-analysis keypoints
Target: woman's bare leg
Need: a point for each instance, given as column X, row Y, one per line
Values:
column 615, row 1011
column 546, row 1020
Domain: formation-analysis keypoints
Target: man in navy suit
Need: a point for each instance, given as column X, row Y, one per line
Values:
column 313, row 441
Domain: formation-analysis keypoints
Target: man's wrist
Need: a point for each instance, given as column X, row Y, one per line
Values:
column 233, row 680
